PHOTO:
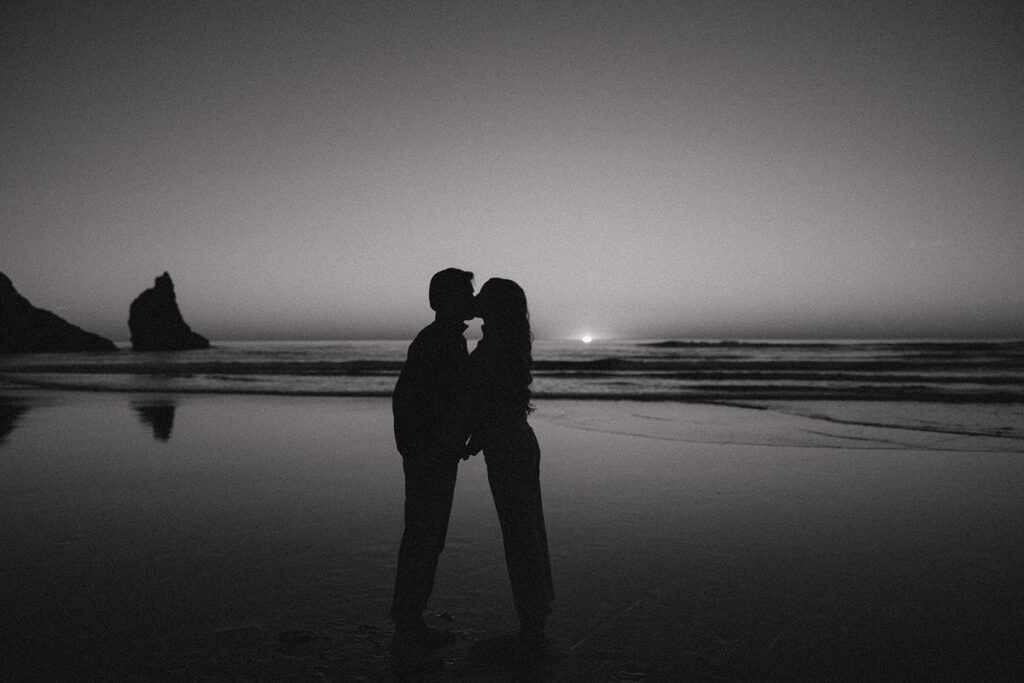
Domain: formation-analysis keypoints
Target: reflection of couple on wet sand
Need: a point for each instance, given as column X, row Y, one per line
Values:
column 449, row 405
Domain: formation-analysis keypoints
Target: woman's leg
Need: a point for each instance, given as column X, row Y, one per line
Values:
column 514, row 478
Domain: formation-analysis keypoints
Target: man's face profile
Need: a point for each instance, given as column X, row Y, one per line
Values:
column 465, row 303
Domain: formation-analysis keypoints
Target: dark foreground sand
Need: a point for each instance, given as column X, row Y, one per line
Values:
column 254, row 538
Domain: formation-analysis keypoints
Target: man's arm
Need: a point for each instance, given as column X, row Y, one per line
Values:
column 421, row 404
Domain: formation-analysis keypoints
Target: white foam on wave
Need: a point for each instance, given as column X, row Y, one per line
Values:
column 784, row 427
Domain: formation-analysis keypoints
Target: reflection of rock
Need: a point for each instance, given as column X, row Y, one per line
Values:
column 159, row 415
column 9, row 414
column 156, row 323
column 27, row 329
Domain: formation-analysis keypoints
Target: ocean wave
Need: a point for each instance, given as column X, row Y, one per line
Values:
column 692, row 367
column 619, row 389
column 1012, row 345
column 231, row 367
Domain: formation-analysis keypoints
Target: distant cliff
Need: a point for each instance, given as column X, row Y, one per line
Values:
column 156, row 323
column 27, row 329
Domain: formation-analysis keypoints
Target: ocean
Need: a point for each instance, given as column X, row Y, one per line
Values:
column 698, row 371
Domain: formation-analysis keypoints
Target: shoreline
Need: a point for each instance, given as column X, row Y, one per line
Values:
column 754, row 400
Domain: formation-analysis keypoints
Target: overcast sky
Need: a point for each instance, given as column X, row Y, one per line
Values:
column 643, row 169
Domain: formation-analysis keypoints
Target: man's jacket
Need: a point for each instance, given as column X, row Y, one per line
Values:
column 428, row 403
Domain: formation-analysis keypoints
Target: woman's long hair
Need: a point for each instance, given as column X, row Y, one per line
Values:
column 510, row 322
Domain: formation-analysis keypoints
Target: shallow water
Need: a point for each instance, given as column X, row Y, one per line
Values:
column 180, row 536
column 118, row 541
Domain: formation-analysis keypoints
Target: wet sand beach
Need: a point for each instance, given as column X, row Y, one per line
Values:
column 254, row 537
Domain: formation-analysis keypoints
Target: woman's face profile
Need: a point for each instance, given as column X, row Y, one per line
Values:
column 481, row 304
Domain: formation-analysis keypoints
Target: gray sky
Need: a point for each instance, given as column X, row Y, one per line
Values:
column 719, row 169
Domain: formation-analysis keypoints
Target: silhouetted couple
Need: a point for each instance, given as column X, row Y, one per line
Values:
column 449, row 405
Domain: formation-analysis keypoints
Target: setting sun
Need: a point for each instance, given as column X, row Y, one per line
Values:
column 586, row 339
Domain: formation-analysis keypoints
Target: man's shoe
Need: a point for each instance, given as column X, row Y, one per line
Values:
column 532, row 646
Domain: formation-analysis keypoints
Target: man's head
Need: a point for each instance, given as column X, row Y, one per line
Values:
column 451, row 294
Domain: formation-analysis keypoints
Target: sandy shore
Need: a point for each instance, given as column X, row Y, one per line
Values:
column 218, row 537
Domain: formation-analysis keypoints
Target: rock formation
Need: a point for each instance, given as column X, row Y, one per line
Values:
column 156, row 323
column 27, row 329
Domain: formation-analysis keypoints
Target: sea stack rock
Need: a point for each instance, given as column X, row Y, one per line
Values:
column 27, row 329
column 156, row 323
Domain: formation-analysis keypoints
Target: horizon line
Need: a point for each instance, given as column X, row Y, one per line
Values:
column 605, row 340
